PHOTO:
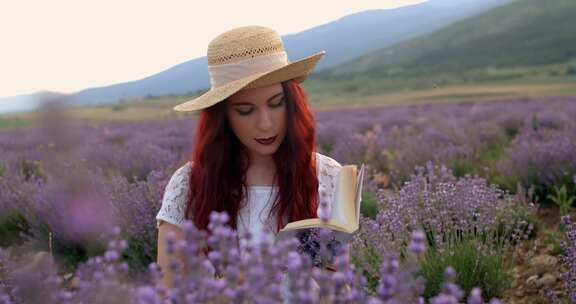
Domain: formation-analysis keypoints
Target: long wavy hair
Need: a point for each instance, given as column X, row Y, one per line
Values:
column 220, row 160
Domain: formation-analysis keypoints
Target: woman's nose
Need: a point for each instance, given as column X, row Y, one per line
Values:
column 265, row 120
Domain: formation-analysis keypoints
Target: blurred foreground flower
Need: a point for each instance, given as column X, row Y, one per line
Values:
column 267, row 273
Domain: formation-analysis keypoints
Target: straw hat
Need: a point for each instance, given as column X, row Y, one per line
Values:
column 247, row 57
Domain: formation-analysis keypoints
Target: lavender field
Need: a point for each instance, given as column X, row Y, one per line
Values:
column 464, row 203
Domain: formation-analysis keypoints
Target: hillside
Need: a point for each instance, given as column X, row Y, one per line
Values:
column 521, row 34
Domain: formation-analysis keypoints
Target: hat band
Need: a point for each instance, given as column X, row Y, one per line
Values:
column 225, row 73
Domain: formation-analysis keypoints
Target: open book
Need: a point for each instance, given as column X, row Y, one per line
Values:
column 345, row 214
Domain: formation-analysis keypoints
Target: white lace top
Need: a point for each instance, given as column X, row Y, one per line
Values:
column 254, row 216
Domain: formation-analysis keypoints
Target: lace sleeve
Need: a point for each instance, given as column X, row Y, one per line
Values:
column 174, row 199
column 328, row 170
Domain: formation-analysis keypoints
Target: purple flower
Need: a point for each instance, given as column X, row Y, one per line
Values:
column 475, row 296
column 568, row 257
column 417, row 243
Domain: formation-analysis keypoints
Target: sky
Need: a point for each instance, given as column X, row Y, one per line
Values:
column 70, row 45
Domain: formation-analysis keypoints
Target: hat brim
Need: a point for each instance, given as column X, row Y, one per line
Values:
column 298, row 70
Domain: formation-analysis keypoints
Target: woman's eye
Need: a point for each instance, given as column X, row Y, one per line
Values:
column 243, row 112
column 277, row 103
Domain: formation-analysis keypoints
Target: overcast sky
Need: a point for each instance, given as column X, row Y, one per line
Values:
column 69, row 45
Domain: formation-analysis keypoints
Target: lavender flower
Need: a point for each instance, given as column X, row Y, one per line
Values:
column 569, row 257
column 121, row 167
column 475, row 296
column 272, row 273
column 417, row 243
column 436, row 202
column 451, row 293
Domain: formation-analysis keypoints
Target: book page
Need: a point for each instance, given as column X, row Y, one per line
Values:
column 345, row 196
column 333, row 224
column 358, row 199
column 346, row 206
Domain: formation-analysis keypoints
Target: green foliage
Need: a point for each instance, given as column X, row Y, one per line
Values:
column 136, row 257
column 552, row 237
column 486, row 159
column 71, row 254
column 544, row 194
column 521, row 217
column 370, row 261
column 369, row 206
column 32, row 170
column 13, row 229
column 525, row 221
column 6, row 123
column 474, row 269
column 523, row 33
column 562, row 199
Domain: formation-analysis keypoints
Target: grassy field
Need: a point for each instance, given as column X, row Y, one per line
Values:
column 11, row 122
column 161, row 108
column 456, row 93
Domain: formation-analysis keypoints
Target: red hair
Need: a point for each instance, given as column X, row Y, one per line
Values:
column 220, row 161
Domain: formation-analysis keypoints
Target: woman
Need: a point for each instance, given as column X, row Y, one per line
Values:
column 254, row 151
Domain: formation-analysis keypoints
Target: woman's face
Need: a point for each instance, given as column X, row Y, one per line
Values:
column 258, row 118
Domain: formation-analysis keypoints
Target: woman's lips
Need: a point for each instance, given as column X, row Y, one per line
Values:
column 266, row 141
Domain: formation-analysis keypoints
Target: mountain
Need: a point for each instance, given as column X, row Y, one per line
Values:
column 27, row 102
column 522, row 33
column 354, row 35
column 184, row 78
column 343, row 40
